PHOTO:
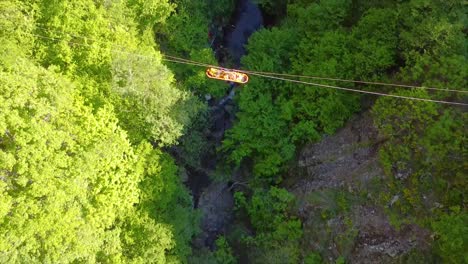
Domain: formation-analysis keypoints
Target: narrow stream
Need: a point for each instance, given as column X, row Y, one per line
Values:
column 247, row 19
column 213, row 199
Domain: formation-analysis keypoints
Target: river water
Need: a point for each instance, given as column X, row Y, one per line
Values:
column 247, row 19
column 214, row 199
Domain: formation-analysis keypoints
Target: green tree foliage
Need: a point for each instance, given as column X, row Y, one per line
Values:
column 223, row 253
column 150, row 108
column 70, row 180
column 270, row 49
column 150, row 13
column 115, row 63
column 424, row 153
column 432, row 27
column 186, row 35
column 159, row 227
column 262, row 136
column 274, row 8
column 277, row 233
column 419, row 42
column 60, row 164
column 311, row 41
column 452, row 237
column 314, row 19
column 74, row 187
column 425, row 140
column 313, row 258
column 83, row 91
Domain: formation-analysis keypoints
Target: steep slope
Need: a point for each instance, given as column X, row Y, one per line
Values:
column 333, row 184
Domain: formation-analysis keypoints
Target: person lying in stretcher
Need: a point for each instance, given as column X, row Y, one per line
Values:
column 227, row 75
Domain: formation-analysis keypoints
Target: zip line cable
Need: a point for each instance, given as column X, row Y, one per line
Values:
column 333, row 87
column 281, row 74
column 360, row 91
column 189, row 62
column 330, row 79
column 361, row 82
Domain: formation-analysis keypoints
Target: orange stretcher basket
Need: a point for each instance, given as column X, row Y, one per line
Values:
column 227, row 75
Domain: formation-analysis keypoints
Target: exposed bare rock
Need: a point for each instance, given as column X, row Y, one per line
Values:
column 216, row 204
column 347, row 159
column 379, row 242
column 348, row 162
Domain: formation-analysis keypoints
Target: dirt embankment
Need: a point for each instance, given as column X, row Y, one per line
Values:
column 333, row 181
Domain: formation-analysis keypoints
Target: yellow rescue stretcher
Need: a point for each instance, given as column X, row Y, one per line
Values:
column 227, row 75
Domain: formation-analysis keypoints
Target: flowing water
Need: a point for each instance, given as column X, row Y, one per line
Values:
column 247, row 19
column 214, row 199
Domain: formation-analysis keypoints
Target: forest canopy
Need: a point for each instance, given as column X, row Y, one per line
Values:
column 80, row 181
column 89, row 112
column 422, row 43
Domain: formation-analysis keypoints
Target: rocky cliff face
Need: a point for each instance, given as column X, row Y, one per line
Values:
column 347, row 159
column 333, row 182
